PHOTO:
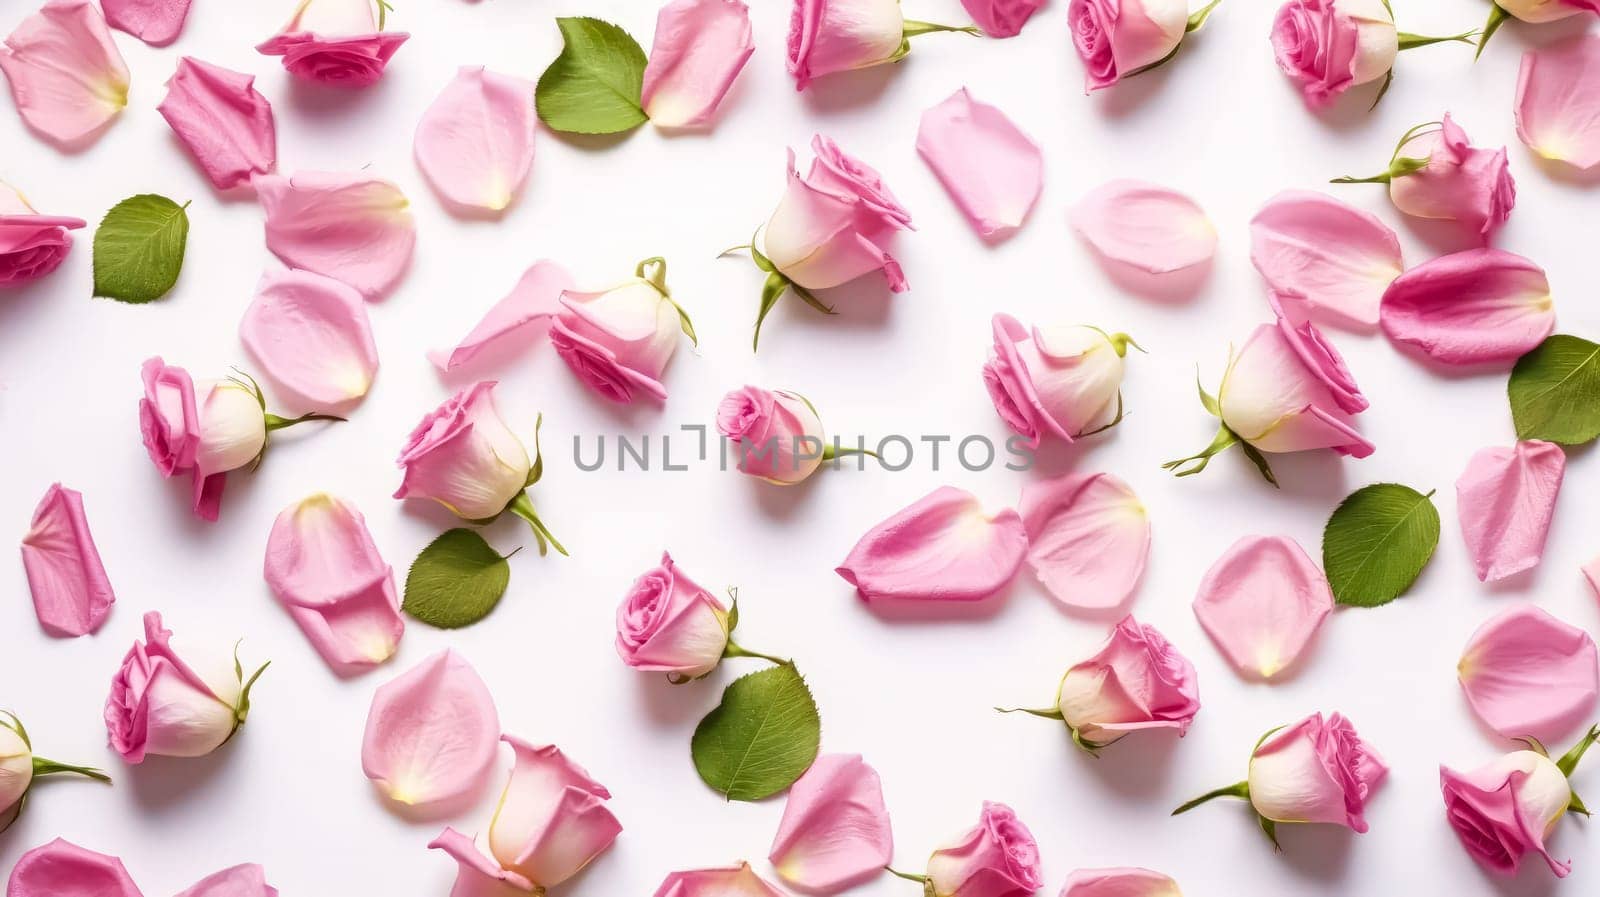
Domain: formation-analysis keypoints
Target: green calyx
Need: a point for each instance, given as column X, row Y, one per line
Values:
column 241, row 710
column 1497, row 17
column 1399, row 166
column 1224, row 440
column 1410, row 41
column 925, row 881
column 1569, row 763
column 653, row 271
column 41, row 765
column 774, row 287
column 522, row 506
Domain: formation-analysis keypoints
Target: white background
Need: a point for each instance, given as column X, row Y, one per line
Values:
column 913, row 696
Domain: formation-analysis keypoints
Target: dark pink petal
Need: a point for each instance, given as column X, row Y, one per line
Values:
column 63, row 869
column 1505, row 500
column 534, row 301
column 1088, row 538
column 156, row 22
column 1528, row 674
column 1472, row 307
column 942, row 548
column 1262, row 603
column 224, row 123
column 71, row 593
column 992, row 170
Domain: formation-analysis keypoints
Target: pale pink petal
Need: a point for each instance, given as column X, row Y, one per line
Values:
column 1558, row 101
column 941, row 548
column 431, row 733
column 728, row 881
column 552, row 819
column 835, row 828
column 1472, row 307
column 71, row 594
column 349, row 226
column 477, row 875
column 1088, row 538
column 475, row 143
column 226, row 125
column 312, row 337
column 1145, row 226
column 1505, row 500
column 699, row 49
column 1335, row 259
column 532, row 302
column 63, row 869
column 156, row 22
column 1526, row 673
column 247, row 880
column 66, row 75
column 992, row 170
column 1119, row 882
column 1262, row 602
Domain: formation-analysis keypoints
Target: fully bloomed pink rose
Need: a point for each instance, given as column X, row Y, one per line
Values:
column 669, row 624
column 31, row 245
column 1506, row 809
column 996, row 858
column 334, row 42
column 618, row 341
column 777, row 435
column 831, row 225
column 463, row 456
column 161, row 704
column 1318, row 770
column 1330, row 46
column 1119, row 38
column 1137, row 680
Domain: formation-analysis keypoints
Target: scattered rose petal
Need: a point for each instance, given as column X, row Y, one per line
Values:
column 346, row 225
column 71, row 594
column 835, row 828
column 1145, row 226
column 1505, row 500
column 431, row 733
column 156, row 22
column 1527, row 674
column 1088, row 538
column 31, row 245
column 1472, row 307
column 1334, row 258
column 1558, row 101
column 66, row 75
column 699, row 49
column 475, row 143
column 1119, row 882
column 729, row 881
column 476, row 874
column 247, row 880
column 334, row 42
column 311, row 335
column 1001, row 18
column 63, row 869
column 1262, row 602
column 224, row 123
column 535, row 300
column 941, row 548
column 552, row 819
column 992, row 170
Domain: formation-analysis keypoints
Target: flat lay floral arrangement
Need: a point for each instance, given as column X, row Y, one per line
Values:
column 1263, row 373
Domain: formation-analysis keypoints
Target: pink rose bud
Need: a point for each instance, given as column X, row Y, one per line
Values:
column 338, row 42
column 620, row 340
column 1437, row 173
column 31, row 245
column 1001, row 18
column 175, row 706
column 1506, row 809
column 1064, row 380
column 1121, row 38
column 776, row 435
column 552, row 819
column 19, row 767
column 669, row 624
column 1538, row 12
column 996, row 858
column 463, row 456
column 1329, row 46
column 828, row 36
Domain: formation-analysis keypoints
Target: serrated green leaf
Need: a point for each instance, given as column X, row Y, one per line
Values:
column 761, row 738
column 1377, row 542
column 138, row 248
column 456, row 581
column 1555, row 391
column 594, row 86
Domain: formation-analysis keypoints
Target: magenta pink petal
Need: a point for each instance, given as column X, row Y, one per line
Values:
column 1558, row 101
column 1527, row 674
column 312, row 337
column 1088, row 538
column 431, row 733
column 350, row 226
column 1001, row 18
column 1472, row 307
column 63, row 869
column 1262, row 602
column 247, row 880
column 224, row 123
column 535, row 300
column 71, row 594
column 475, row 142
column 727, row 881
column 699, row 49
column 1505, row 500
column 66, row 75
column 156, row 22
column 476, row 874
column 835, row 828
column 1119, row 882
column 941, row 548
column 1145, row 227
column 992, row 170
column 1335, row 259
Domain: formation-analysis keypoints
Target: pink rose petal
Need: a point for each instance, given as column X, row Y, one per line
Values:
column 156, row 22
column 312, row 337
column 699, row 49
column 66, row 75
column 1558, row 101
column 941, row 548
column 223, row 122
column 1334, row 258
column 432, row 733
column 1527, row 674
column 1145, row 226
column 552, row 819
column 476, row 874
column 729, row 881
column 992, row 170
column 63, row 869
column 1119, row 882
column 71, row 594
column 349, row 226
column 1505, row 500
column 247, row 880
column 1088, row 538
column 1472, row 307
column 835, row 828
column 535, row 300
column 1001, row 18
column 1262, row 602
column 475, row 143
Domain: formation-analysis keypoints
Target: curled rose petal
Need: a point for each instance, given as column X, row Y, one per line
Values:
column 476, row 874
column 1262, row 602
column 1472, row 307
column 941, row 548
column 349, row 226
column 71, row 594
column 246, row 880
column 1119, row 882
column 1333, row 258
column 63, row 869
column 431, row 733
column 66, row 75
column 1145, row 227
column 835, row 828
column 156, row 22
column 533, row 301
column 728, row 881
column 992, row 170
column 311, row 335
column 552, row 819
column 699, row 49
column 1505, row 500
column 1527, row 674
column 1558, row 101
column 1088, row 538
column 475, row 143
column 224, row 123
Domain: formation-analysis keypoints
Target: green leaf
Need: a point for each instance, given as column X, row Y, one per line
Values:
column 138, row 248
column 593, row 87
column 1377, row 542
column 762, row 737
column 1555, row 391
column 456, row 581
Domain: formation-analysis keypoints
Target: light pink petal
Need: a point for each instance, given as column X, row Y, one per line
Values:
column 699, row 49
column 1472, row 307
column 835, row 828
column 63, row 869
column 729, row 881
column 1145, row 226
column 431, row 733
column 71, row 594
column 1088, row 538
column 1526, row 673
column 1505, row 500
column 247, row 880
column 552, row 819
column 347, row 225
column 475, row 143
column 533, row 301
column 311, row 335
column 1119, row 882
column 1262, row 602
column 941, row 548
column 66, row 75
column 1335, row 259
column 992, row 170
column 226, row 125
column 1558, row 101
column 477, row 875
column 156, row 22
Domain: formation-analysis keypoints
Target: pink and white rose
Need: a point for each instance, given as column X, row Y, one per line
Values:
column 1137, row 680
column 1329, row 46
column 31, row 245
column 1508, row 808
column 777, row 435
column 1120, row 38
column 336, row 42
column 463, row 456
column 996, row 858
column 1538, row 12
column 669, row 624
column 1064, row 379
column 619, row 341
